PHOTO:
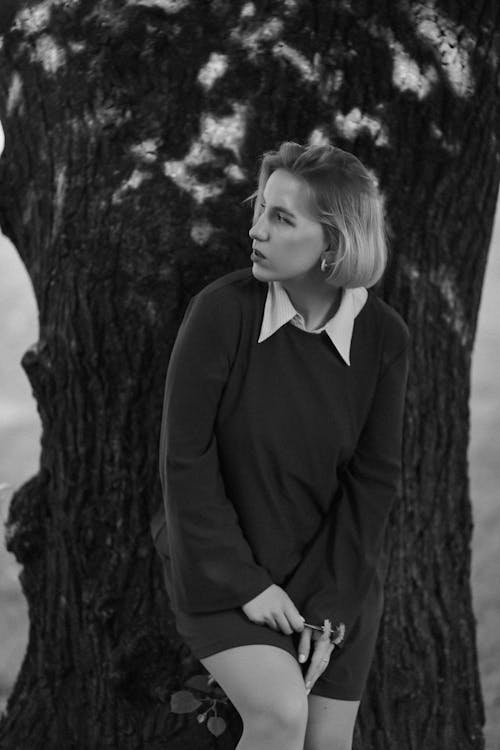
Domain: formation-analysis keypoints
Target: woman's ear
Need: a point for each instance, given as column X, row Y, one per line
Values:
column 327, row 260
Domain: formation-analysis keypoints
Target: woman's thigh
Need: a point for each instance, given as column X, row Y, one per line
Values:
column 261, row 681
column 330, row 723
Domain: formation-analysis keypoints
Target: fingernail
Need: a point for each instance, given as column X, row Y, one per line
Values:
column 302, row 657
column 308, row 684
column 308, row 691
column 302, row 618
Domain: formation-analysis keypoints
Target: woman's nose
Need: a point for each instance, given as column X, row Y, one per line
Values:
column 256, row 230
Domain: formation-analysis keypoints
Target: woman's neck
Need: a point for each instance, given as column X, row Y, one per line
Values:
column 313, row 298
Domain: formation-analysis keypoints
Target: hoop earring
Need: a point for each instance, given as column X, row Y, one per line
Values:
column 328, row 261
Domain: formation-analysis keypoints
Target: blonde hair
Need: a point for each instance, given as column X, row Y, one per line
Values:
column 344, row 197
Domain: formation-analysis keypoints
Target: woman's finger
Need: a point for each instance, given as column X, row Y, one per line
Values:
column 304, row 645
column 283, row 623
column 319, row 662
column 271, row 622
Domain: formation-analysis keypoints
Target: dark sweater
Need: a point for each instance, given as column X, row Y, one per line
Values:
column 279, row 463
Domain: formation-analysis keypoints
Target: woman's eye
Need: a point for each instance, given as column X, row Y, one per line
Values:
column 280, row 216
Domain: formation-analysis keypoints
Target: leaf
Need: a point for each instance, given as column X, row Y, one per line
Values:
column 182, row 702
column 199, row 682
column 216, row 725
column 219, row 692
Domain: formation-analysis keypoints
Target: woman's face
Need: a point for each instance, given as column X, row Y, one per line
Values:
column 286, row 233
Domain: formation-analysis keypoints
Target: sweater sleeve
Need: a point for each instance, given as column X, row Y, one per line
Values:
column 334, row 576
column 211, row 563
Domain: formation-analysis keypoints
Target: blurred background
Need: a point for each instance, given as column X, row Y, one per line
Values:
column 20, row 443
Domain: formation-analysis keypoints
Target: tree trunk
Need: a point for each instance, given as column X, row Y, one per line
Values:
column 132, row 136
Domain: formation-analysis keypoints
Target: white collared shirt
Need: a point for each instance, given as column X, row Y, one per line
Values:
column 279, row 310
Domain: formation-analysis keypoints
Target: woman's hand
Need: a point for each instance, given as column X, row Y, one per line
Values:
column 273, row 607
column 321, row 655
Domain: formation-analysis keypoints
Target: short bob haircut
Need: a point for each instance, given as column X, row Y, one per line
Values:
column 344, row 197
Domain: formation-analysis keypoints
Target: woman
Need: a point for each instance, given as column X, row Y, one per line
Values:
column 280, row 455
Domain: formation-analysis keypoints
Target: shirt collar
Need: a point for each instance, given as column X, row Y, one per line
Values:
column 279, row 310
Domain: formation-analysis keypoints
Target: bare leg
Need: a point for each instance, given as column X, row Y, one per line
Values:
column 330, row 724
column 266, row 686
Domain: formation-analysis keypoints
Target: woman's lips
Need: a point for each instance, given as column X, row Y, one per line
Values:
column 257, row 255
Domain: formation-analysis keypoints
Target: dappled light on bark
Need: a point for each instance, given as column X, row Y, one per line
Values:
column 133, row 132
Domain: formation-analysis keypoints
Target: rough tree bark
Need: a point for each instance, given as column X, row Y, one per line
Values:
column 132, row 136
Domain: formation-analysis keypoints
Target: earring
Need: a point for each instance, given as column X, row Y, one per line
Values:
column 327, row 261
